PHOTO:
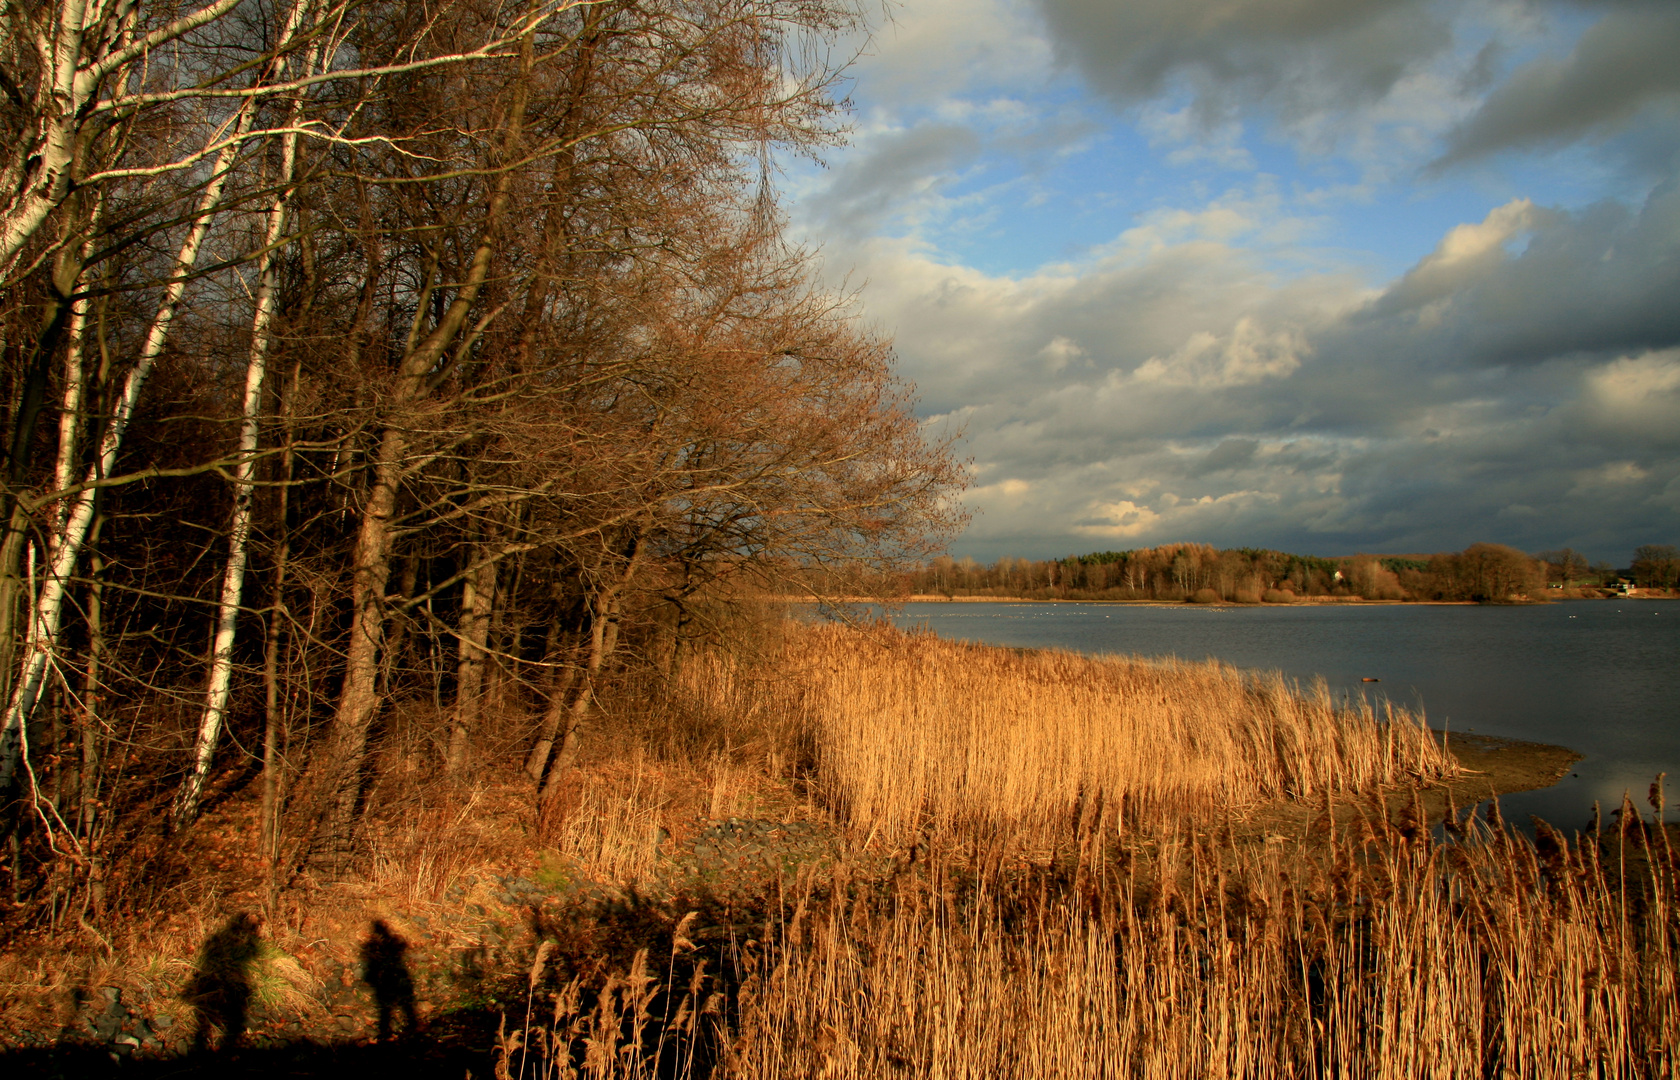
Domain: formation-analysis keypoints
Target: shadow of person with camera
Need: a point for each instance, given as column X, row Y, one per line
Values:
column 385, row 969
column 220, row 989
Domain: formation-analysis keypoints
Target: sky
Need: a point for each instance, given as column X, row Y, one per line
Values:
column 1326, row 276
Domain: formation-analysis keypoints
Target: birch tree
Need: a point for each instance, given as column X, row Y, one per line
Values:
column 47, row 608
column 256, row 370
column 553, row 377
column 88, row 74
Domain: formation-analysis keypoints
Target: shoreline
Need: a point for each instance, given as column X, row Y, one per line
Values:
column 1300, row 601
column 1493, row 768
column 1223, row 605
column 1500, row 766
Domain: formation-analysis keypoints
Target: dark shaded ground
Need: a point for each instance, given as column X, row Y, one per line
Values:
column 591, row 936
column 456, row 1046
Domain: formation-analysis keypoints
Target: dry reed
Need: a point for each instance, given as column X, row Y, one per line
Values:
column 1378, row 956
column 1395, row 958
column 913, row 733
column 1027, row 928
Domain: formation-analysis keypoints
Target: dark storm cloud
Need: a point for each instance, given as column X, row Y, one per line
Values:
column 1326, row 60
column 1301, row 56
column 1227, row 455
column 1598, row 281
column 894, row 169
column 1627, row 61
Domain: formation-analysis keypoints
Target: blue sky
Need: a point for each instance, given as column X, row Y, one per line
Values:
column 1322, row 275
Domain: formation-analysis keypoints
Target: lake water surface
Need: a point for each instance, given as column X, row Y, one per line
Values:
column 1601, row 677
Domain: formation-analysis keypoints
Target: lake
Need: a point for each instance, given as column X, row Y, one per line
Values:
column 1601, row 677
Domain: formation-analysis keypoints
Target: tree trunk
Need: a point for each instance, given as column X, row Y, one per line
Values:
column 335, row 775
column 92, row 694
column 219, row 684
column 277, row 615
column 48, row 609
column 603, row 639
column 397, row 640
column 606, row 612
column 89, row 821
column 478, row 597
column 562, row 673
column 61, row 314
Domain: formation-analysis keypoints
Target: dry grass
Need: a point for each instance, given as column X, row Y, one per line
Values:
column 912, row 733
column 1041, row 880
column 1027, row 928
column 1375, row 954
column 1396, row 958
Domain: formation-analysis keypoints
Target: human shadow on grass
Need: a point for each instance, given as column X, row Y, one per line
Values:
column 385, row 970
column 220, row 989
column 590, row 942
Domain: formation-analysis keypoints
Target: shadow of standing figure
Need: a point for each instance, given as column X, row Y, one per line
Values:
column 220, row 990
column 385, row 970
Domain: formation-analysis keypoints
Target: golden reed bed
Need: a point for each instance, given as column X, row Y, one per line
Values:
column 914, row 732
column 1066, row 897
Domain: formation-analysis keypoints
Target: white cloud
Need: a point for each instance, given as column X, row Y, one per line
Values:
column 1060, row 353
column 1638, row 396
column 1465, row 242
column 1244, row 356
column 1174, row 387
column 1120, row 520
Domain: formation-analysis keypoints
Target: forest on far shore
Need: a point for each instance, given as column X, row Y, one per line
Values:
column 1487, row 573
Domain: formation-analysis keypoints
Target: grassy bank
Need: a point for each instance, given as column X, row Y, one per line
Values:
column 867, row 853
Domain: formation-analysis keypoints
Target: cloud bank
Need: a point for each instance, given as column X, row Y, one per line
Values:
column 1224, row 365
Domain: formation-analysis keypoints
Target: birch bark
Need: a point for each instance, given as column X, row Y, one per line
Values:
column 220, row 679
column 82, row 46
column 47, row 608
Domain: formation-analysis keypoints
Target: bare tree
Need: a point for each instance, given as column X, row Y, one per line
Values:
column 553, row 382
column 256, row 368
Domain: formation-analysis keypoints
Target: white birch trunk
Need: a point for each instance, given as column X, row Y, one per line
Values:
column 47, row 610
column 220, row 682
column 83, row 46
column 70, row 412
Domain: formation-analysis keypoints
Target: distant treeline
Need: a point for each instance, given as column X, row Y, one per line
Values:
column 1481, row 572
